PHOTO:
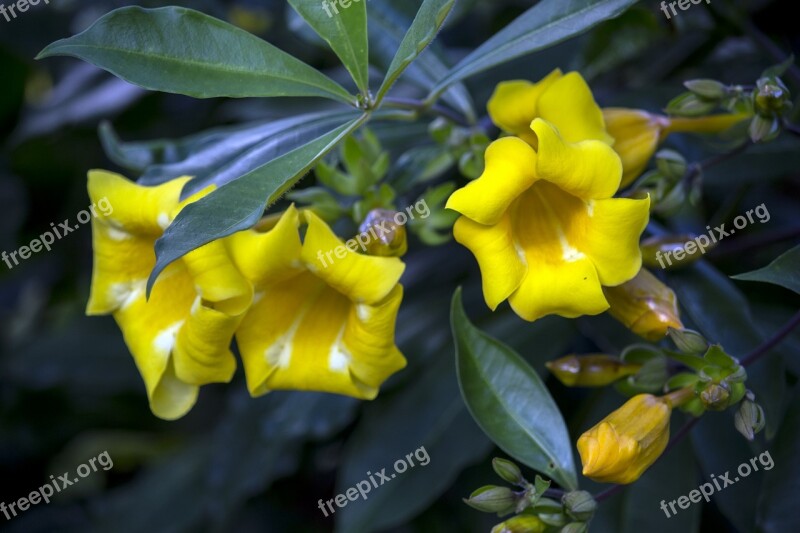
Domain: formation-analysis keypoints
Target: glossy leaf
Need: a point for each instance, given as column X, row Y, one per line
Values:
column 783, row 271
column 510, row 402
column 345, row 32
column 547, row 23
column 240, row 204
column 387, row 29
column 179, row 50
column 423, row 30
column 426, row 414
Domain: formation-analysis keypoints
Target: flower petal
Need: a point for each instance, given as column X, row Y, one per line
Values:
column 569, row 289
column 150, row 329
column 502, row 268
column 510, row 170
column 513, row 105
column 271, row 256
column 361, row 278
column 202, row 351
column 568, row 103
column 637, row 134
column 612, row 237
column 588, row 169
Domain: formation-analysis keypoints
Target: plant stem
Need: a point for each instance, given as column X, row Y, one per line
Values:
column 418, row 105
column 773, row 341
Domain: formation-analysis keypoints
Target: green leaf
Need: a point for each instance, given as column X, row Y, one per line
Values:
column 547, row 23
column 345, row 32
column 239, row 205
column 423, row 30
column 777, row 501
column 783, row 271
column 387, row 29
column 509, row 401
column 179, row 50
column 429, row 414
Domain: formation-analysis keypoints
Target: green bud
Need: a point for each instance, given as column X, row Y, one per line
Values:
column 771, row 97
column 749, row 418
column 521, row 524
column 711, row 89
column 440, row 130
column 575, row 527
column 688, row 341
column 580, row 505
column 493, row 499
column 671, row 163
column 507, row 471
column 690, row 105
column 738, row 391
column 764, row 129
column 715, row 396
column 554, row 519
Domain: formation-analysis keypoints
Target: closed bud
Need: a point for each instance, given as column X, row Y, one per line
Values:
column 645, row 306
column 384, row 236
column 590, row 370
column 711, row 89
column 507, row 471
column 771, row 97
column 521, row 524
column 715, row 396
column 688, row 341
column 575, row 527
column 580, row 505
column 749, row 418
column 659, row 250
column 690, row 105
column 626, row 442
column 492, row 499
column 671, row 163
column 764, row 128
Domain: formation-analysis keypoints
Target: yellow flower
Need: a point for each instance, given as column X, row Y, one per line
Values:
column 565, row 101
column 180, row 338
column 625, row 443
column 315, row 324
column 541, row 220
column 645, row 306
column 638, row 133
column 525, row 523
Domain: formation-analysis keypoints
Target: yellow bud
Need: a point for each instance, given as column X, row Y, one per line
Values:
column 383, row 234
column 636, row 137
column 590, row 370
column 645, row 306
column 521, row 524
column 625, row 443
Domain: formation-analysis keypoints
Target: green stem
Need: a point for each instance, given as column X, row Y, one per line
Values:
column 422, row 107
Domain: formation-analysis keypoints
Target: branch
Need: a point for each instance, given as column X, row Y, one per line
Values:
column 773, row 341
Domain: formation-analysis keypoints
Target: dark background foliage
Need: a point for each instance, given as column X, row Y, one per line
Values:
column 69, row 389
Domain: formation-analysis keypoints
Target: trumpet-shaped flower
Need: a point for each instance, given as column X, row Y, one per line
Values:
column 314, row 325
column 180, row 338
column 542, row 222
column 565, row 101
column 625, row 443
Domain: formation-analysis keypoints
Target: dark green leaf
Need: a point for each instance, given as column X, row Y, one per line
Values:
column 387, row 28
column 179, row 50
column 422, row 32
column 427, row 414
column 547, row 23
column 345, row 32
column 784, row 271
column 239, row 205
column 509, row 401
